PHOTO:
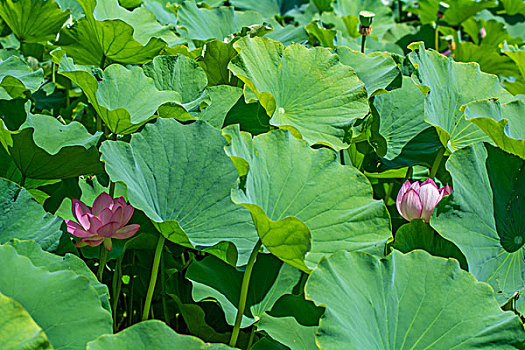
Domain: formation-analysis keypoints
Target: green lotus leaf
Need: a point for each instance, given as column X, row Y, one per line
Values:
column 419, row 235
column 458, row 12
column 324, row 36
column 503, row 123
column 412, row 301
column 515, row 29
column 33, row 21
column 213, row 278
column 300, row 197
column 401, row 113
column 23, row 218
column 513, row 7
column 151, row 334
column 306, row 90
column 288, row 34
column 267, row 8
column 17, row 329
column 180, row 177
column 217, row 23
column 55, row 300
column 162, row 11
column 488, row 57
column 44, row 148
column 184, row 76
column 53, row 263
column 383, row 19
column 484, row 217
column 453, row 85
column 215, row 59
column 109, row 32
column 289, row 332
column 17, row 79
column 517, row 55
column 125, row 99
column 376, row 70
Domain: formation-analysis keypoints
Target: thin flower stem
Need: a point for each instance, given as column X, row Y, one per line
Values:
column 153, row 279
column 252, row 336
column 437, row 162
column 342, row 156
column 102, row 262
column 244, row 293
column 363, row 40
column 117, row 284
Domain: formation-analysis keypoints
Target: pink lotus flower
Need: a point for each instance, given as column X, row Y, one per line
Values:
column 416, row 201
column 105, row 220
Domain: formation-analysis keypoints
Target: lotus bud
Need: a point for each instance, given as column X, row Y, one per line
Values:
column 365, row 22
column 443, row 7
column 482, row 33
column 415, row 201
column 107, row 219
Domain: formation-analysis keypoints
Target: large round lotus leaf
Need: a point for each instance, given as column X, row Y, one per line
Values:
column 502, row 122
column 33, row 21
column 44, row 148
column 23, row 218
column 401, row 115
column 413, row 301
column 376, row 70
column 213, row 278
column 216, row 23
column 181, row 178
column 458, row 11
column 53, row 263
column 18, row 330
column 489, row 58
column 151, row 335
column 268, row 8
column 297, row 194
column 305, row 90
column 484, row 216
column 62, row 302
column 110, row 33
column 17, row 78
column 125, row 99
column 452, row 85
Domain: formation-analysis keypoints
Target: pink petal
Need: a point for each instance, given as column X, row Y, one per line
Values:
column 93, row 242
column 108, row 244
column 411, row 206
column 415, row 186
column 102, row 202
column 404, row 188
column 430, row 197
column 79, row 209
column 429, row 181
column 90, row 223
column 109, row 229
column 117, row 214
column 105, row 216
column 76, row 230
column 126, row 231
column 127, row 214
column 446, row 190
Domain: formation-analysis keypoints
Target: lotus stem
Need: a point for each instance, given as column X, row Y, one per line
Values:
column 117, row 284
column 342, row 155
column 244, row 293
column 252, row 336
column 437, row 162
column 363, row 40
column 102, row 262
column 153, row 279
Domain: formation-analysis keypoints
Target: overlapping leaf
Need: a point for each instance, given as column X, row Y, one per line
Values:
column 303, row 202
column 181, row 178
column 484, row 217
column 17, row 79
column 408, row 301
column 305, row 90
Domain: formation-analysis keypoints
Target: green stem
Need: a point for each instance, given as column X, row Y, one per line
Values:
column 399, row 9
column 98, row 124
column 131, row 288
column 153, row 279
column 244, row 293
column 102, row 262
column 103, row 61
column 117, row 284
column 342, row 155
column 363, row 40
column 389, row 192
column 252, row 336
column 437, row 38
column 437, row 162
column 163, row 289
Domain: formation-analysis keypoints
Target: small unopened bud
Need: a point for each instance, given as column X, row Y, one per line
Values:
column 443, row 7
column 365, row 19
column 482, row 33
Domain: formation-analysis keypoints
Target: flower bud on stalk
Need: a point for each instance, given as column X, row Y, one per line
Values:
column 415, row 201
column 443, row 7
column 365, row 22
